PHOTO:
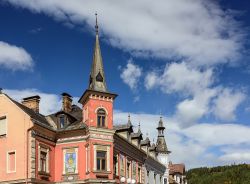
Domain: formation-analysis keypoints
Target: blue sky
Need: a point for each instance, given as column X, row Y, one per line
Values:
column 185, row 60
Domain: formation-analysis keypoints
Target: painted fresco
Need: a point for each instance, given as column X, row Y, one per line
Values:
column 70, row 162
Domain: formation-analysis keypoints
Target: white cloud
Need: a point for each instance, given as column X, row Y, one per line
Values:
column 201, row 32
column 226, row 104
column 197, row 87
column 241, row 155
column 14, row 58
column 131, row 74
column 49, row 103
column 178, row 77
column 151, row 80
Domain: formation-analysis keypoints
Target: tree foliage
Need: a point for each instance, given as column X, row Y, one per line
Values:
column 234, row 174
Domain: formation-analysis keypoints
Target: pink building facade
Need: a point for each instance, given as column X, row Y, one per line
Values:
column 75, row 144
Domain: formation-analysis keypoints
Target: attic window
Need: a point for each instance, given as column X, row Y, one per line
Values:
column 61, row 121
column 99, row 77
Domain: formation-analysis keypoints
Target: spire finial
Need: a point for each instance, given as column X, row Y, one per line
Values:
column 96, row 23
column 129, row 116
column 139, row 126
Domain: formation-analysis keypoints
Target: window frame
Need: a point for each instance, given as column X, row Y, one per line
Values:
column 6, row 125
column 62, row 117
column 122, row 165
column 45, row 149
column 8, row 161
column 101, row 161
column 106, row 148
column 128, row 168
column 103, row 118
column 139, row 173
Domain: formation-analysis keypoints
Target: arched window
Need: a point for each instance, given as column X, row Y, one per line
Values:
column 101, row 116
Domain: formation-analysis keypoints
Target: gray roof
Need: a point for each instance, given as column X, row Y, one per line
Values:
column 37, row 118
column 145, row 141
column 136, row 135
column 74, row 119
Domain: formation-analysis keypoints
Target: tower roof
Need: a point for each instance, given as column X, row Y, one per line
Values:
column 97, row 80
column 160, row 125
column 161, row 146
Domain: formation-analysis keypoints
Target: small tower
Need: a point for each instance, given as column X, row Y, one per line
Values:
column 162, row 150
column 97, row 101
column 97, row 106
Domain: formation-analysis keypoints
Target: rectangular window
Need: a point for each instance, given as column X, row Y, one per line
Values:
column 3, row 126
column 116, row 164
column 122, row 165
column 134, row 170
column 43, row 160
column 101, row 114
column 43, row 157
column 62, row 121
column 11, row 167
column 139, row 174
column 101, row 160
column 101, row 121
column 128, row 170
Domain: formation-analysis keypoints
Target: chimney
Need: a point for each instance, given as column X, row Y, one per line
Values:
column 66, row 102
column 32, row 102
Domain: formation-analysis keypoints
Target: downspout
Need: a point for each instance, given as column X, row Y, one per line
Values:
column 27, row 155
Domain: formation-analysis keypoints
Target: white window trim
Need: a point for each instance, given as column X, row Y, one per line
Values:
column 87, row 158
column 6, row 119
column 101, row 107
column 47, row 159
column 64, row 153
column 7, row 166
column 107, row 159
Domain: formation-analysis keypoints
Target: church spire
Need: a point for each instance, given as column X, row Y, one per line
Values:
column 97, row 80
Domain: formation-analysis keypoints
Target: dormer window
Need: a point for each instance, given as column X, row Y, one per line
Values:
column 101, row 117
column 61, row 121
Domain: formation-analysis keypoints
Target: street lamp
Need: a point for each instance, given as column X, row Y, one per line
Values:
column 122, row 179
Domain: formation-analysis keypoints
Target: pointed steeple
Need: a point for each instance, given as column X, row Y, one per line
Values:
column 161, row 146
column 97, row 80
column 129, row 121
column 139, row 128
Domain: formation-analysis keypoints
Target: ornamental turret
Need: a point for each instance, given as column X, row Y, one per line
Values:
column 161, row 146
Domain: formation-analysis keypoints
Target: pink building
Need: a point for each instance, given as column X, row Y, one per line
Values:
column 76, row 145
